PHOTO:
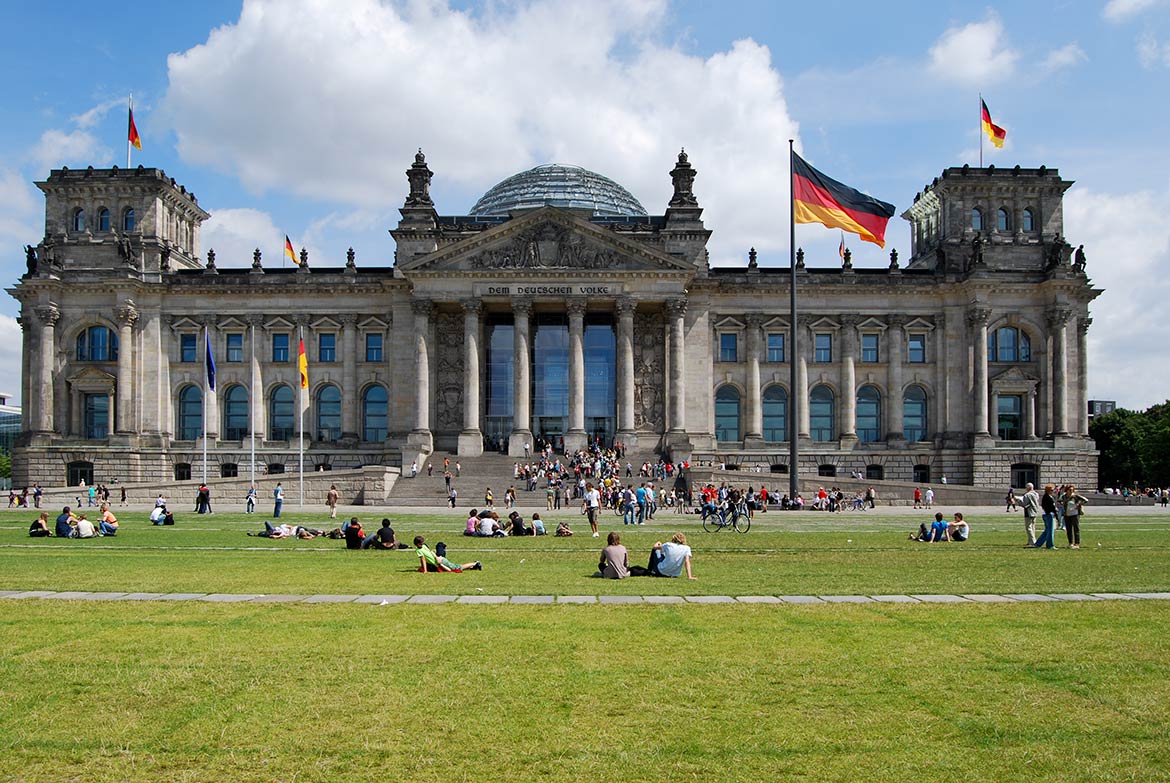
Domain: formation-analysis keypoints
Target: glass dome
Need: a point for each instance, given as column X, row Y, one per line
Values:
column 556, row 185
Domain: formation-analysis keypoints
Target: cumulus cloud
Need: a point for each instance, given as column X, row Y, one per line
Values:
column 1151, row 53
column 330, row 102
column 11, row 345
column 1128, row 248
column 235, row 233
column 974, row 54
column 1064, row 57
column 94, row 115
column 75, row 147
column 1121, row 10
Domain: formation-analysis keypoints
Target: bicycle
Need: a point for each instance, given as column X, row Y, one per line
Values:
column 733, row 516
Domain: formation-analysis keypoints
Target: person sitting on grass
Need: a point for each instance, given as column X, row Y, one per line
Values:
column 935, row 533
column 614, row 563
column 65, row 523
column 959, row 530
column 382, row 538
column 672, row 558
column 515, row 525
column 472, row 523
column 429, row 562
column 563, row 530
column 40, row 527
column 108, row 526
column 489, row 525
column 537, row 524
column 354, row 535
column 84, row 529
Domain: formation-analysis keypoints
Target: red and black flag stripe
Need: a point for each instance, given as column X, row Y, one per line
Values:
column 820, row 199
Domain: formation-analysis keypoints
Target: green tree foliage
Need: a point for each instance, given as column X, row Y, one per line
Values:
column 5, row 466
column 1134, row 446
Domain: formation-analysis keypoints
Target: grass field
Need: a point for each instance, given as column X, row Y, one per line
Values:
column 199, row 692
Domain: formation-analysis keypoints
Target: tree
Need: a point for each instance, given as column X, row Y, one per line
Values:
column 1134, row 446
column 5, row 466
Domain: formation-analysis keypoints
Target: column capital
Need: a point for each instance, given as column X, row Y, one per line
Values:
column 48, row 314
column 1057, row 316
column 348, row 319
column 1083, row 325
column 897, row 320
column 676, row 308
column 127, row 314
column 423, row 307
column 576, row 306
column 522, row 308
column 254, row 320
column 754, row 320
column 471, row 306
column 626, row 305
column 979, row 316
column 850, row 319
column 301, row 319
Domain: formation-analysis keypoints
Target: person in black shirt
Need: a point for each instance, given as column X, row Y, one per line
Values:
column 382, row 538
column 353, row 534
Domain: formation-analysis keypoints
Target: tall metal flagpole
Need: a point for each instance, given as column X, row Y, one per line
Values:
column 128, row 145
column 252, row 359
column 794, row 350
column 301, row 414
column 206, row 392
column 980, row 130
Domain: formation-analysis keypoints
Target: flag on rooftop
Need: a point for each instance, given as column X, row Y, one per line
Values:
column 818, row 198
column 132, row 131
column 288, row 250
column 993, row 131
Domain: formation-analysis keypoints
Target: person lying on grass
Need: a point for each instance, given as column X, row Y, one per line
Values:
column 429, row 562
column 288, row 531
column 563, row 530
column 672, row 558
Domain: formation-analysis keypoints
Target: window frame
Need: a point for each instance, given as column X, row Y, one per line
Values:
column 911, row 339
column 277, row 431
column 821, row 433
column 909, row 429
column 774, row 351
column 327, row 354
column 976, row 218
column 872, row 433
column 871, row 354
column 782, row 417
column 188, row 348
column 723, row 418
column 728, row 347
column 234, row 347
column 279, row 350
column 328, row 420
column 236, row 410
column 1009, row 431
column 823, row 354
column 368, row 415
column 189, row 413
column 375, row 353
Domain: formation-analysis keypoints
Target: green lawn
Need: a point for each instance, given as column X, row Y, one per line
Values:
column 108, row 691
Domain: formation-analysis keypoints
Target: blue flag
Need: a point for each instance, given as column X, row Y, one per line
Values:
column 210, row 362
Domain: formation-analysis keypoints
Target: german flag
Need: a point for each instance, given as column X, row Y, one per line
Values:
column 132, row 132
column 288, row 250
column 302, row 363
column 820, row 199
column 993, row 131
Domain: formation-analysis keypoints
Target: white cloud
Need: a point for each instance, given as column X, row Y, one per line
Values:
column 974, row 54
column 1151, row 53
column 1120, row 10
column 332, row 105
column 1064, row 57
column 11, row 347
column 235, row 233
column 91, row 117
column 57, row 148
column 1127, row 244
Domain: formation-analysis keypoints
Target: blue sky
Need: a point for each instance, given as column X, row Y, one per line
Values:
column 300, row 117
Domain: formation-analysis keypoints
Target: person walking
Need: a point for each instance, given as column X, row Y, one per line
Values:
column 1031, row 505
column 1048, row 506
column 277, row 500
column 331, row 498
column 250, row 500
column 1074, row 506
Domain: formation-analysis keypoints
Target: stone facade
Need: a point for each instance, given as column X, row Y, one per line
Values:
column 969, row 361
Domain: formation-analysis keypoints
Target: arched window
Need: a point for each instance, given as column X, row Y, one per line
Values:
column 727, row 414
column 374, row 411
column 329, row 413
column 977, row 219
column 97, row 344
column 128, row 219
column 235, row 413
column 914, row 414
column 775, row 414
column 78, row 222
column 103, row 223
column 869, row 414
column 821, row 414
column 1009, row 344
column 1029, row 220
column 190, row 413
column 280, row 413
column 1003, row 221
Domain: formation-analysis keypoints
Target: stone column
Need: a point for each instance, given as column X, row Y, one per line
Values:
column 894, row 381
column 993, row 414
column 1030, row 414
column 471, row 438
column 677, row 440
column 522, row 378
column 1083, row 376
column 848, row 381
column 1058, row 326
column 977, row 319
column 259, row 422
column 124, row 418
column 625, row 372
column 754, row 433
column 420, row 442
column 802, row 410
column 576, row 437
column 47, row 316
column 350, row 399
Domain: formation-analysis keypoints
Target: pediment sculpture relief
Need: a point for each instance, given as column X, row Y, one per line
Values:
column 547, row 247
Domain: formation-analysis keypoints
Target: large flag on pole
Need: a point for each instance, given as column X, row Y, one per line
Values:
column 817, row 198
column 210, row 362
column 302, row 363
column 132, row 131
column 993, row 131
column 288, row 251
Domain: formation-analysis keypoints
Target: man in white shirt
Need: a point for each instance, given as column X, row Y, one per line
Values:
column 592, row 507
column 85, row 528
column 672, row 558
column 929, row 497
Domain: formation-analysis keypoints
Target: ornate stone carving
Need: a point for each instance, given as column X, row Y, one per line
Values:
column 626, row 305
column 548, row 246
column 210, row 268
column 304, row 258
column 522, row 308
column 423, row 307
column 847, row 259
column 419, row 177
column 348, row 319
column 350, row 259
column 127, row 313
column 676, row 308
column 1057, row 316
column 1084, row 324
column 48, row 314
column 256, row 258
column 683, row 177
column 649, row 372
column 978, row 316
column 800, row 258
column 576, row 305
column 448, row 359
column 894, row 258
column 472, row 306
column 754, row 320
column 752, row 263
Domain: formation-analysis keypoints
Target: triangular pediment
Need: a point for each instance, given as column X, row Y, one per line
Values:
column 91, row 379
column 729, row 323
column 1014, row 375
column 546, row 240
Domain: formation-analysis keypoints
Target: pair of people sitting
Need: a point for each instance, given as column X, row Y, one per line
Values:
column 941, row 530
column 70, row 526
column 289, row 531
column 382, row 538
column 161, row 515
column 671, row 559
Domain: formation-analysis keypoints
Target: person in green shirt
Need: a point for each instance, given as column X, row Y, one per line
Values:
column 429, row 562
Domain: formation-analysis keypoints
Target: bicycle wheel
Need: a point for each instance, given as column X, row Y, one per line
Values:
column 741, row 522
column 711, row 523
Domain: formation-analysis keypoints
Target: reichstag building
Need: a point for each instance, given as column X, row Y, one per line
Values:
column 558, row 309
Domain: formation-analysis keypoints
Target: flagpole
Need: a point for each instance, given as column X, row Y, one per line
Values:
column 251, row 399
column 301, row 412
column 793, row 449
column 206, row 392
column 128, row 145
column 980, row 130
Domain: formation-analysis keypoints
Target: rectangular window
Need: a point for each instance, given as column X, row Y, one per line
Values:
column 1011, row 417
column 187, row 350
column 728, row 348
column 280, row 348
column 823, row 348
column 235, row 347
column 775, row 347
column 916, row 349
column 869, row 348
column 373, row 347
column 97, row 416
column 327, row 348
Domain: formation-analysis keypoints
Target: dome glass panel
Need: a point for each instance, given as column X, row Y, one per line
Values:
column 569, row 187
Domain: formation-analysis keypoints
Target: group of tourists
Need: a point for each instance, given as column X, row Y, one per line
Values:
column 1060, row 509
column 70, row 525
column 670, row 559
column 941, row 530
column 487, row 524
column 20, row 500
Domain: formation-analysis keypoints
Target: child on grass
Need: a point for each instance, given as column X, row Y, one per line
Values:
column 429, row 562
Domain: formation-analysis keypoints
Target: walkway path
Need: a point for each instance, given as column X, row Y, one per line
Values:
column 382, row 600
